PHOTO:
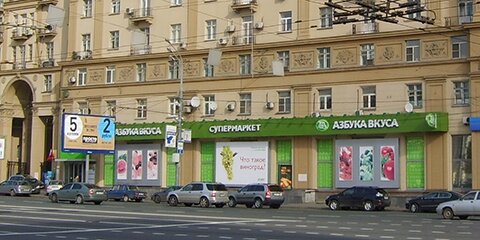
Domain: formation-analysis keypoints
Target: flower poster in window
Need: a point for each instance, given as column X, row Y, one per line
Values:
column 345, row 163
column 152, row 165
column 366, row 163
column 137, row 158
column 122, row 165
column 387, row 155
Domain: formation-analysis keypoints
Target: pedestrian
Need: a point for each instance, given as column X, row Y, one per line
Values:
column 76, row 179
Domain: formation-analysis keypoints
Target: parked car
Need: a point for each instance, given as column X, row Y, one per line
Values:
column 35, row 183
column 15, row 188
column 126, row 193
column 257, row 195
column 468, row 205
column 79, row 193
column 161, row 196
column 201, row 193
column 54, row 185
column 429, row 201
column 366, row 198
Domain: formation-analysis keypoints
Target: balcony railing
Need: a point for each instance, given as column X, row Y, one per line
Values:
column 459, row 20
column 48, row 63
column 140, row 15
column 82, row 55
column 364, row 28
column 140, row 50
column 42, row 32
column 239, row 5
column 21, row 33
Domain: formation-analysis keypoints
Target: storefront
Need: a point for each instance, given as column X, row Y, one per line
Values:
column 388, row 150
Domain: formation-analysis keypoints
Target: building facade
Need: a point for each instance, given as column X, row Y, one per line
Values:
column 295, row 98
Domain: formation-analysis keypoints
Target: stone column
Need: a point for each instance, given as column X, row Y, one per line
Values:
column 6, row 132
column 37, row 149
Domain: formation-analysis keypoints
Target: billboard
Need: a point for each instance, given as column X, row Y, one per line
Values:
column 2, row 148
column 239, row 163
column 88, row 133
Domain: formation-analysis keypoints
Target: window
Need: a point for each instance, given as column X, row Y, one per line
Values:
column 418, row 5
column 83, row 108
column 245, row 103
column 111, row 107
column 462, row 162
column 247, row 29
column 325, row 100
column 465, row 11
column 326, row 17
column 50, row 52
column 323, row 58
column 142, row 108
column 459, row 47
column 173, row 106
column 141, row 72
column 211, row 29
column 415, row 95
column 114, row 39
column 176, row 2
column 286, row 21
column 412, row 51
column 86, row 40
column 245, row 64
column 47, row 83
column 284, row 56
column 209, row 108
column 87, row 8
column 30, row 52
column 176, row 33
column 369, row 98
column 22, row 57
column 82, row 77
column 284, row 102
column 146, row 34
column 367, row 54
column 461, row 92
column 173, row 69
column 14, row 53
column 115, row 6
column 110, row 72
column 208, row 69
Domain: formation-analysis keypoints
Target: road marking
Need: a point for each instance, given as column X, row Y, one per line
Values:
column 37, row 226
column 280, row 225
column 202, row 236
column 313, row 233
column 389, row 237
column 345, row 228
column 389, row 230
column 414, row 238
column 372, row 223
column 44, row 218
column 395, row 224
column 415, row 231
column 301, row 226
column 353, row 223
column 245, row 229
column 323, row 227
column 62, row 237
column 366, row 229
column 138, row 232
column 416, row 225
column 439, row 232
column 290, row 232
column 40, row 235
column 158, row 233
column 225, row 237
column 260, row 224
column 364, row 236
column 81, row 238
column 336, row 234
column 465, row 233
column 463, row 226
column 181, row 235
column 250, row 238
column 267, row 230
column 202, row 227
column 439, row 226
column 224, row 228
column 332, row 222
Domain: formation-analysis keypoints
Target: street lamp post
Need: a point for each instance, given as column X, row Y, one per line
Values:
column 178, row 57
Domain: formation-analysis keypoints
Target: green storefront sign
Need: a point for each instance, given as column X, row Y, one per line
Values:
column 308, row 126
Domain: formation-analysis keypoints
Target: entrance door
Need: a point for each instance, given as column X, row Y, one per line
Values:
column 74, row 171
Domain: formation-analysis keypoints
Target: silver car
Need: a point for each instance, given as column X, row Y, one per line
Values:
column 203, row 194
column 468, row 205
column 15, row 188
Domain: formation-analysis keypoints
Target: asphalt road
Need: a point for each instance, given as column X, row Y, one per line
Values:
column 37, row 218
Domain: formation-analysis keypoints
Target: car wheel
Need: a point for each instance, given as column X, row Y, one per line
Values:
column 333, row 205
column 188, row 204
column 258, row 203
column 98, row 202
column 54, row 198
column 232, row 202
column 157, row 199
column 368, row 206
column 173, row 201
column 414, row 208
column 79, row 199
column 204, row 202
column 12, row 193
column 447, row 213
column 275, row 206
column 125, row 198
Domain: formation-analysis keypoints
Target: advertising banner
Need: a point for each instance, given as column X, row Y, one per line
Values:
column 170, row 136
column 122, row 165
column 2, row 148
column 239, row 163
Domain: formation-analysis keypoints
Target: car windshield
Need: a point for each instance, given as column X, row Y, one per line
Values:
column 216, row 187
column 90, row 186
column 134, row 188
column 23, row 183
column 275, row 188
column 17, row 178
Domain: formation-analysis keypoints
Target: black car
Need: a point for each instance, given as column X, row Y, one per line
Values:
column 366, row 198
column 161, row 196
column 428, row 202
column 126, row 193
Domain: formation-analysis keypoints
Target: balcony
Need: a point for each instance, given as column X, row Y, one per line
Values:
column 239, row 5
column 48, row 63
column 19, row 65
column 21, row 34
column 42, row 3
column 365, row 28
column 140, row 15
column 458, row 20
column 140, row 49
column 42, row 32
column 82, row 55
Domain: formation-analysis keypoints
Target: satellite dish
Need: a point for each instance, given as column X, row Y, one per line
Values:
column 213, row 106
column 408, row 107
column 72, row 80
column 195, row 102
